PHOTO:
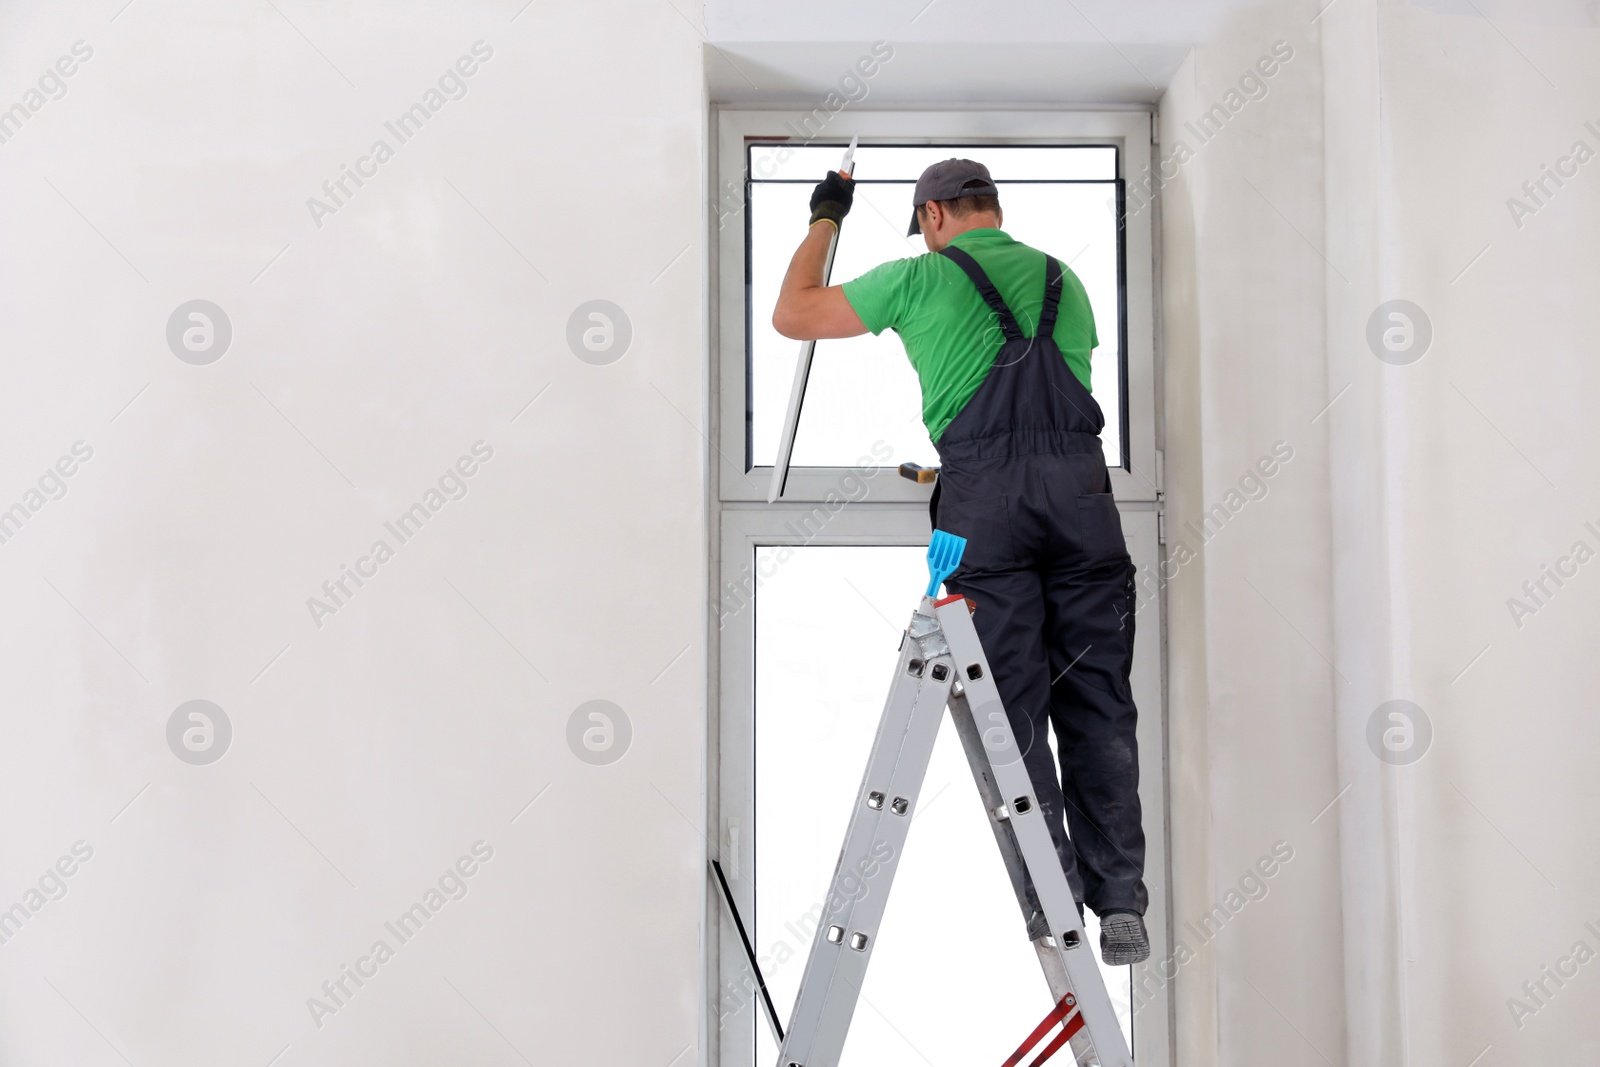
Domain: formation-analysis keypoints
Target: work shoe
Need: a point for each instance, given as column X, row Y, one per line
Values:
column 1123, row 939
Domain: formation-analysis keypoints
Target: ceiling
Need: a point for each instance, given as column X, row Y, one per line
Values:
column 1042, row 52
column 958, row 51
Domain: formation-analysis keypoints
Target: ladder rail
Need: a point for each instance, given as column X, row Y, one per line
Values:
column 885, row 802
column 989, row 793
column 1005, row 838
column 1064, row 952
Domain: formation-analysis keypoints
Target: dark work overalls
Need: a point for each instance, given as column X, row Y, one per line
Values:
column 1023, row 479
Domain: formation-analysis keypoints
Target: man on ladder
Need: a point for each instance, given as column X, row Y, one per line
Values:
column 1000, row 336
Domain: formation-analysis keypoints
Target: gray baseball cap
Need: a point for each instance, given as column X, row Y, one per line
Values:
column 947, row 180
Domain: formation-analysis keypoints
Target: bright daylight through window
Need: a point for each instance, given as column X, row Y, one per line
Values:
column 951, row 964
column 1060, row 199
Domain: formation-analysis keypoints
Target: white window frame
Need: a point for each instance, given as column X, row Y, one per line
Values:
column 894, row 512
column 1129, row 130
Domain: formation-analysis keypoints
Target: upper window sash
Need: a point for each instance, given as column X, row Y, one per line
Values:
column 1126, row 132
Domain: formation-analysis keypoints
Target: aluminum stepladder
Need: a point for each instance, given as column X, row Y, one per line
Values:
column 942, row 665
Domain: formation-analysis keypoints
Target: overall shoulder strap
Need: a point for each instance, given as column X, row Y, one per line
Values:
column 1052, row 297
column 986, row 289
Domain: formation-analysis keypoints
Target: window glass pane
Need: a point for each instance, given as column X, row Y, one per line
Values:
column 952, row 978
column 862, row 389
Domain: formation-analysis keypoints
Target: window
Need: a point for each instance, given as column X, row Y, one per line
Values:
column 814, row 590
column 862, row 390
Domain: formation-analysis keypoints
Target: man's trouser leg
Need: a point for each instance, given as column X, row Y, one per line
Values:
column 1089, row 612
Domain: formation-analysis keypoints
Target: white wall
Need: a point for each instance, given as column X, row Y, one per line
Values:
column 1382, row 561
column 1250, row 725
column 1468, row 470
column 375, row 350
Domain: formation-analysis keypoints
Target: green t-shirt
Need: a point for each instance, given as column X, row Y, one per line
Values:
column 951, row 336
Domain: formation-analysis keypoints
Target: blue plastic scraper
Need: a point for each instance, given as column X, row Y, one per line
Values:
column 944, row 556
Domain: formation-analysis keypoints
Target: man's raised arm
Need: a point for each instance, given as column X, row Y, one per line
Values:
column 808, row 310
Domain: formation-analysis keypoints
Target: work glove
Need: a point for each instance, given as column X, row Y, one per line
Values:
column 831, row 198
